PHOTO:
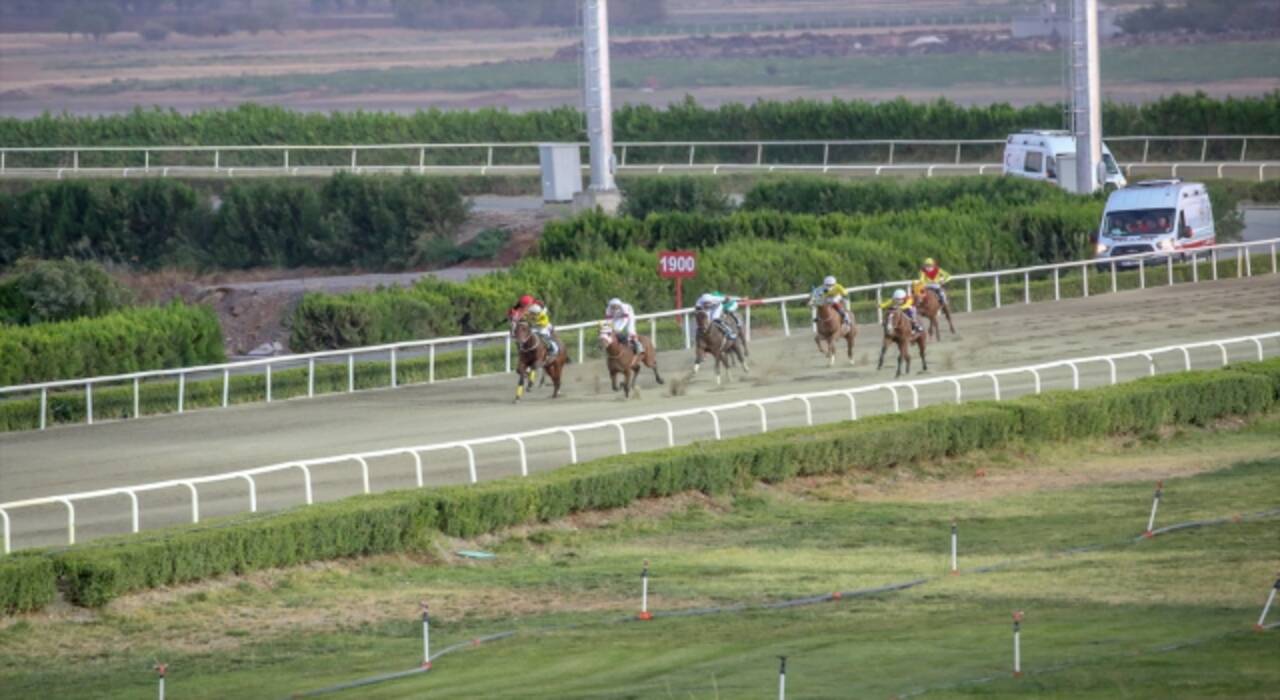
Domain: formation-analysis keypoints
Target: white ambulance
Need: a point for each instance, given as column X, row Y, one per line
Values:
column 1156, row 217
column 1037, row 155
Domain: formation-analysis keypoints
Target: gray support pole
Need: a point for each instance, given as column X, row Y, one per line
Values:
column 599, row 97
column 1086, row 95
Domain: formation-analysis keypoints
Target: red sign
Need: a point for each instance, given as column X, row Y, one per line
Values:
column 677, row 264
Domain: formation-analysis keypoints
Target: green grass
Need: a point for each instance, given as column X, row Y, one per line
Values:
column 1101, row 615
column 1186, row 64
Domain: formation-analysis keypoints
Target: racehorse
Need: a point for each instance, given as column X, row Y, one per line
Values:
column 713, row 341
column 620, row 358
column 532, row 351
column 898, row 330
column 831, row 327
column 929, row 303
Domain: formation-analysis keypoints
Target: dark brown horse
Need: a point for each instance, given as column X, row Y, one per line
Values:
column 532, row 352
column 713, row 341
column 898, row 331
column 620, row 358
column 830, row 327
column 929, row 304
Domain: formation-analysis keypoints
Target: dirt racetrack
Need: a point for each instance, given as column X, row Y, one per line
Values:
column 82, row 458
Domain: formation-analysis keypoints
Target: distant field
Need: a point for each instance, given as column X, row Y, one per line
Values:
column 1151, row 619
column 1205, row 63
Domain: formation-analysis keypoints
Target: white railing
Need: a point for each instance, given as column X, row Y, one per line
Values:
column 395, row 351
column 570, row 433
column 871, row 156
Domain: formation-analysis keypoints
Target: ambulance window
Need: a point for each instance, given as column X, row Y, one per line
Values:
column 1035, row 159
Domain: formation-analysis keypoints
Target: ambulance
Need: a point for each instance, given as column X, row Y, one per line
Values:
column 1037, row 155
column 1155, row 217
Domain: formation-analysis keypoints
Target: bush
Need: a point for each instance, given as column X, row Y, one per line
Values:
column 683, row 193
column 42, row 291
column 347, row 220
column 96, row 573
column 125, row 341
column 821, row 195
column 250, row 124
column 27, row 582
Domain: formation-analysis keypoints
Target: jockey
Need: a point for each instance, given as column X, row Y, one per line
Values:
column 934, row 278
column 904, row 302
column 834, row 293
column 517, row 312
column 716, row 305
column 540, row 323
column 623, row 319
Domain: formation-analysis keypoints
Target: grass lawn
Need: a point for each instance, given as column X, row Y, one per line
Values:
column 1145, row 64
column 1098, row 622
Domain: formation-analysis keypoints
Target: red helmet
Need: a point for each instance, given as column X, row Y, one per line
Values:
column 526, row 300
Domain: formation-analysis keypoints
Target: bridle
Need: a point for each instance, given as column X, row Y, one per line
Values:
column 532, row 342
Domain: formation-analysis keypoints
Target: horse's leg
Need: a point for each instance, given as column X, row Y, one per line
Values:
column 884, row 346
column 698, row 353
column 946, row 309
column 555, row 370
column 849, row 339
column 902, row 357
column 924, row 364
column 520, row 374
column 817, row 339
column 613, row 377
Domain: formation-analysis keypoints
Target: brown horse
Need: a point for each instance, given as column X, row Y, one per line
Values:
column 620, row 358
column 929, row 303
column 830, row 328
column 713, row 341
column 532, row 351
column 898, row 330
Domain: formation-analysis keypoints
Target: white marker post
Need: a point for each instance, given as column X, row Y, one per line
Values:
column 782, row 679
column 1271, row 598
column 426, row 637
column 162, row 669
column 954, row 543
column 1017, row 644
column 1155, row 504
column 644, row 593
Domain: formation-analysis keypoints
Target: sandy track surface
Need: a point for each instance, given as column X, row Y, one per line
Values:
column 81, row 458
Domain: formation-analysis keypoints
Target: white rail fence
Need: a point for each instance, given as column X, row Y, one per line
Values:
column 1222, row 155
column 394, row 352
column 571, row 432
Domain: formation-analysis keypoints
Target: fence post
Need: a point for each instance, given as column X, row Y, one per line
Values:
column 431, row 364
column 137, row 398
column 1084, row 272
column 1026, row 287
column 1146, row 149
column 353, row 160
column 1057, row 286
column 470, row 360
column 997, row 280
column 268, row 383
column 786, row 322
column 892, row 146
column 1244, row 148
column 311, row 377
column 422, row 160
column 507, row 349
column 88, row 403
column 226, row 387
column 146, row 161
column 394, row 379
column 217, row 160
column 75, row 160
column 182, row 390
column 44, row 407
column 286, row 159
column 351, row 373
column 426, row 637
column 1113, row 274
column 759, row 154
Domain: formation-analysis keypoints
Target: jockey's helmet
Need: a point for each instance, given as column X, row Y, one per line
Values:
column 899, row 294
column 615, row 303
column 535, row 309
column 928, row 262
column 830, row 280
column 526, row 300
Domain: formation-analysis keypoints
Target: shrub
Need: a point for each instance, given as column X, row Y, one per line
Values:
column 27, row 582
column 41, row 291
column 683, row 193
column 96, row 573
column 125, row 341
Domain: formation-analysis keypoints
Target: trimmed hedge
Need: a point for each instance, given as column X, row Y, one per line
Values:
column 95, row 573
column 28, row 582
column 127, row 341
column 692, row 194
column 824, row 195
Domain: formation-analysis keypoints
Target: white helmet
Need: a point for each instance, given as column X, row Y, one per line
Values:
column 830, row 280
column 615, row 303
column 535, row 309
column 899, row 294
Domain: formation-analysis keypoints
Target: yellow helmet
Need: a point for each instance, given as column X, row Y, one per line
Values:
column 928, row 262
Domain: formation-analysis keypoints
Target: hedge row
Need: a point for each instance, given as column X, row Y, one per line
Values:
column 825, row 195
column 27, row 582
column 347, row 221
column 126, row 341
column 42, row 291
column 96, row 573
column 251, row 124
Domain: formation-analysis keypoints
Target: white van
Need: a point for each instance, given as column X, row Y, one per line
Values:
column 1036, row 154
column 1157, row 217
